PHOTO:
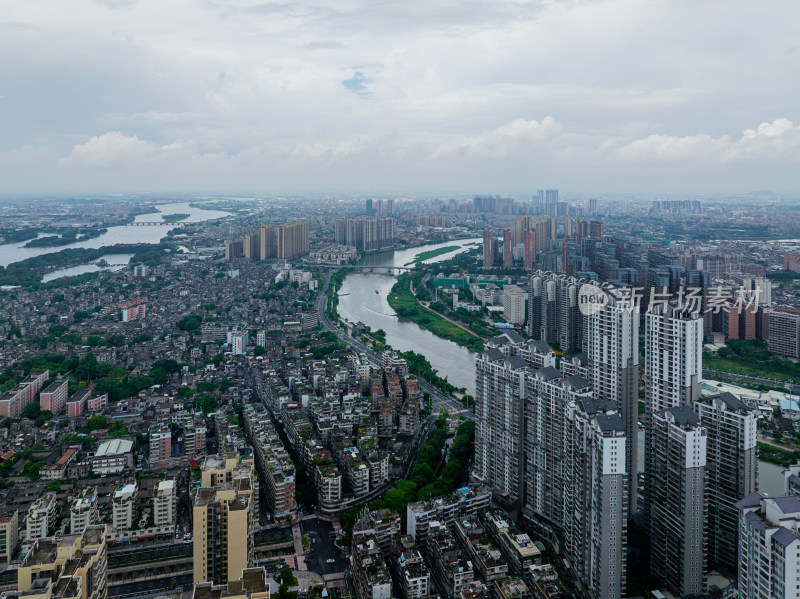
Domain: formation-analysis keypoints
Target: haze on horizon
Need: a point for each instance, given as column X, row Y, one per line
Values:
column 654, row 96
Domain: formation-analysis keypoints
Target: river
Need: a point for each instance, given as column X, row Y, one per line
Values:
column 14, row 252
column 358, row 301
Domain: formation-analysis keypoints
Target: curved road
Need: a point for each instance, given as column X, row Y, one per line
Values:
column 437, row 396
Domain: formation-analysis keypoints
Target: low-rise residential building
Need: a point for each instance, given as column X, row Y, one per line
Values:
column 54, row 397
column 9, row 535
column 83, row 512
column 41, row 516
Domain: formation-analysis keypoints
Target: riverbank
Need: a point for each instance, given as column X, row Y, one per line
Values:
column 405, row 304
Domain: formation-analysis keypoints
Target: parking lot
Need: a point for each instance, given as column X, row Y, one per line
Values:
column 321, row 548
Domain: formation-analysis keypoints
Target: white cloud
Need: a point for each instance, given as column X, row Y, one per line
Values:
column 419, row 91
column 112, row 149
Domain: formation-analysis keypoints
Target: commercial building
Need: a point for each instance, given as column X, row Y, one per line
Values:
column 112, row 457
column 769, row 547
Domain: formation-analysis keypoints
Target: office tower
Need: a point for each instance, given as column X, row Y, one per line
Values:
column 266, row 242
column 769, row 547
column 233, row 250
column 488, row 249
column 592, row 206
column 596, row 502
column 388, row 207
column 223, row 515
column 529, row 241
column 368, row 208
column 507, row 243
column 611, row 338
column 539, row 197
column 252, row 246
column 66, row 567
column 551, row 201
column 731, row 470
column 676, row 500
column 293, row 239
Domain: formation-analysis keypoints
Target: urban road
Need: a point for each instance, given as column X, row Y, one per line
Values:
column 439, row 399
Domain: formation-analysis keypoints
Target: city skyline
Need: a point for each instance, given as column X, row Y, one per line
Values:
column 607, row 96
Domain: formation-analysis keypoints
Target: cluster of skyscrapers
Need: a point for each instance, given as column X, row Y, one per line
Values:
column 533, row 236
column 366, row 234
column 284, row 241
column 557, row 435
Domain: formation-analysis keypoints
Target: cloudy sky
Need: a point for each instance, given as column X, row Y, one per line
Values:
column 654, row 96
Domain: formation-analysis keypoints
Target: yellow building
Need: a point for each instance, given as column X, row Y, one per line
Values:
column 293, row 239
column 267, row 242
column 224, row 508
column 69, row 567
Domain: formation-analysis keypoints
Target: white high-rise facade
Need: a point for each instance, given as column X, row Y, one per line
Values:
column 675, row 448
column 731, row 471
column 769, row 547
column 611, row 339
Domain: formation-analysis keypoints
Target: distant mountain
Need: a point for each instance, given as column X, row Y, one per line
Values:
column 763, row 193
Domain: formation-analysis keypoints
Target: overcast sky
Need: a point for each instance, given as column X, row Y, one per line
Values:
column 657, row 96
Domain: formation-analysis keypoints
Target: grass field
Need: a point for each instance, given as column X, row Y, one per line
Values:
column 422, row 256
column 746, row 367
column 406, row 305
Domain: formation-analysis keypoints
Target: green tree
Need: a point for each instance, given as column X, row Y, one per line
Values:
column 97, row 422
